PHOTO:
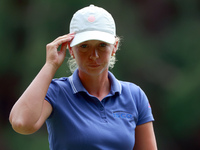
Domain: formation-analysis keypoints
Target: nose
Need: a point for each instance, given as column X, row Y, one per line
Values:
column 94, row 54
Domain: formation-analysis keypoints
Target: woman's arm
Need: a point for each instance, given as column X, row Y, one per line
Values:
column 31, row 110
column 145, row 137
column 28, row 109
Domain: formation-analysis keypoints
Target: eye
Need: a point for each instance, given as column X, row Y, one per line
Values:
column 103, row 44
column 84, row 46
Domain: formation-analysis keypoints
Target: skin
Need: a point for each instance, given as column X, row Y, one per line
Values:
column 93, row 58
column 145, row 137
column 31, row 110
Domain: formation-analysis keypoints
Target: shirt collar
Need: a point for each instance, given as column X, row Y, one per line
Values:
column 77, row 86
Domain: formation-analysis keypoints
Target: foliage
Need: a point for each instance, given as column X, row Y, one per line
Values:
column 159, row 52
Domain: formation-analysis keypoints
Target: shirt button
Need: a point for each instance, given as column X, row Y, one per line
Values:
column 105, row 120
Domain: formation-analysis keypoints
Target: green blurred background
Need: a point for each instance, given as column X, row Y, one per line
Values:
column 159, row 52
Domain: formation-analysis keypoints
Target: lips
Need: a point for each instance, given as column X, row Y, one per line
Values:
column 94, row 65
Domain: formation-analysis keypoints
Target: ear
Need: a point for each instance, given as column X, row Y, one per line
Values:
column 115, row 47
column 70, row 50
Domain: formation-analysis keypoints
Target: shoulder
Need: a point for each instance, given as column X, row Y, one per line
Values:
column 59, row 81
column 133, row 90
column 132, row 87
column 138, row 97
column 58, row 88
column 58, row 84
column 123, row 87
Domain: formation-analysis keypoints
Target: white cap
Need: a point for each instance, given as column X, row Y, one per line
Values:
column 92, row 23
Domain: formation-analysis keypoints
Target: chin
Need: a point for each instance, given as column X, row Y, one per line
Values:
column 95, row 71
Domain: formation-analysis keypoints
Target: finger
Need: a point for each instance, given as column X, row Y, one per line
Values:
column 64, row 46
column 68, row 45
column 63, row 39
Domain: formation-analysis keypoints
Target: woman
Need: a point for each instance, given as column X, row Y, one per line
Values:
column 90, row 109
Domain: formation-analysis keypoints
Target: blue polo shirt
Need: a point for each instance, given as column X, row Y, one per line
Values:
column 79, row 121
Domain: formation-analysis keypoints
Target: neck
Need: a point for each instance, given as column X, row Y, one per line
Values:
column 98, row 86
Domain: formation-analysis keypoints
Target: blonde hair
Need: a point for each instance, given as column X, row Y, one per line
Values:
column 73, row 65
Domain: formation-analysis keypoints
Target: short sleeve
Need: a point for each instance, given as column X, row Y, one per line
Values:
column 144, row 109
column 52, row 93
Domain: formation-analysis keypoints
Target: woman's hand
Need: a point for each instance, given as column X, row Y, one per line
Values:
column 55, row 57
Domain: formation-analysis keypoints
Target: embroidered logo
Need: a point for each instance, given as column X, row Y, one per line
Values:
column 122, row 115
column 91, row 18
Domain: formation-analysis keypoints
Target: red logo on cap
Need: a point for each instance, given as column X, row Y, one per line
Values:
column 91, row 18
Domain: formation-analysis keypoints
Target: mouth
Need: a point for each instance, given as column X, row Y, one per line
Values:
column 93, row 65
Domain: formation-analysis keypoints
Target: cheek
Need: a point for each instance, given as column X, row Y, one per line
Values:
column 80, row 59
column 108, row 54
column 106, row 58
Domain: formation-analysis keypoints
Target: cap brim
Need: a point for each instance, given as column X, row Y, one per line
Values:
column 92, row 35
